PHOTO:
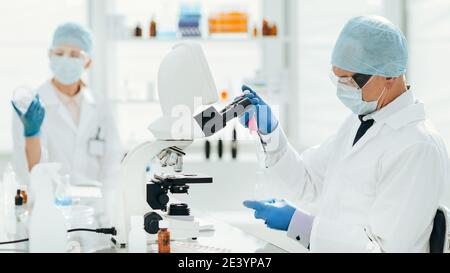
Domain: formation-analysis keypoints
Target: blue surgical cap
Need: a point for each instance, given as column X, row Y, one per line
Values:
column 371, row 45
column 73, row 34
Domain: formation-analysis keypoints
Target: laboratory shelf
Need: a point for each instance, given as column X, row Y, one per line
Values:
column 213, row 39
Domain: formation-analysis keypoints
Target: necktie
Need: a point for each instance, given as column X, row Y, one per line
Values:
column 363, row 128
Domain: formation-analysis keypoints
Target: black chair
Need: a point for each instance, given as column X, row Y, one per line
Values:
column 439, row 234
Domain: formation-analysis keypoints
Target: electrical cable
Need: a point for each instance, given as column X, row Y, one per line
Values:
column 111, row 231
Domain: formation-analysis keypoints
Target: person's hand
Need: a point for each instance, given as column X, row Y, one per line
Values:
column 33, row 118
column 266, row 121
column 277, row 214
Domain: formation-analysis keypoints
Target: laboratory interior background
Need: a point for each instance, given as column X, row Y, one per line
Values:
column 281, row 48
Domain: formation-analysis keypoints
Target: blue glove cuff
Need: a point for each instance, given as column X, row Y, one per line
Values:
column 32, row 134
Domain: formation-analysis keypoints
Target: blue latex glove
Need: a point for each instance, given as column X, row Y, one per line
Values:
column 266, row 120
column 277, row 214
column 33, row 118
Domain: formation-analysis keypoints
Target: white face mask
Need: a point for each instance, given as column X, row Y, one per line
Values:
column 67, row 70
column 352, row 98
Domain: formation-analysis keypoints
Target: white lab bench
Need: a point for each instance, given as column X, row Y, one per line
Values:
column 223, row 239
column 236, row 230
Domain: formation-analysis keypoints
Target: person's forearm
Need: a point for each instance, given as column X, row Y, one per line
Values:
column 33, row 151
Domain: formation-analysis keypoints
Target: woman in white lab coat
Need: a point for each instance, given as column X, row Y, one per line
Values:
column 67, row 122
column 376, row 184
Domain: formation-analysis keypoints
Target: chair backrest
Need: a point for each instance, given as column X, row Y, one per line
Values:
column 439, row 234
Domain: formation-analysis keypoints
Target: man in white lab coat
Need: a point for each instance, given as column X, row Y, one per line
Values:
column 67, row 122
column 377, row 182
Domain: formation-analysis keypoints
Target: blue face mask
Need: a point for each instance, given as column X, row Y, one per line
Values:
column 352, row 98
column 67, row 70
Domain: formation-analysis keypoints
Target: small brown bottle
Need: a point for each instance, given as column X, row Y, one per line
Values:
column 163, row 237
column 153, row 31
column 255, row 31
column 265, row 28
column 138, row 31
column 18, row 199
column 274, row 30
column 23, row 193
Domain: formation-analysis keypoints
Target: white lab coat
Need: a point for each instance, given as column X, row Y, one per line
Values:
column 381, row 194
column 65, row 142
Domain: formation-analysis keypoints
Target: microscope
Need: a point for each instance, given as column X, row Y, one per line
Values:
column 184, row 80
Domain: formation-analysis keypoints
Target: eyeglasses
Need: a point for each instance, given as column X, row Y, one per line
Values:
column 361, row 79
column 358, row 80
column 71, row 53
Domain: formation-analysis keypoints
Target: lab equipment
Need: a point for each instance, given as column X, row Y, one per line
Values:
column 164, row 238
column 3, row 235
column 23, row 97
column 266, row 120
column 24, row 194
column 189, row 21
column 207, row 149
column 158, row 199
column 276, row 214
column 67, row 70
column 47, row 226
column 269, row 28
column 18, row 199
column 83, row 217
column 33, row 118
column 234, row 144
column 255, row 32
column 371, row 45
column 62, row 193
column 137, row 238
column 10, row 187
column 228, row 21
column 73, row 34
column 186, row 63
column 153, row 31
column 138, row 31
column 211, row 121
column 220, row 148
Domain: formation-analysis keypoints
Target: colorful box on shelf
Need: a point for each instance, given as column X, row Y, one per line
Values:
column 189, row 22
column 228, row 22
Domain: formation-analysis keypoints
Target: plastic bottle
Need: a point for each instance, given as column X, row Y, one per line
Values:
column 62, row 194
column 9, row 180
column 47, row 226
column 9, row 193
column 164, row 237
column 3, row 236
column 137, row 238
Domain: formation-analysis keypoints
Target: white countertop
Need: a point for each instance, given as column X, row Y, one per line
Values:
column 223, row 239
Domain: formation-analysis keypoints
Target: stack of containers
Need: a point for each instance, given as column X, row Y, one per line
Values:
column 229, row 20
column 189, row 22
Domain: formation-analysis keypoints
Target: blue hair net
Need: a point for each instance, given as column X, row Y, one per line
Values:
column 371, row 45
column 73, row 34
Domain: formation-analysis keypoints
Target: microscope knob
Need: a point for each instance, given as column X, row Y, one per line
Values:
column 151, row 222
column 163, row 199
